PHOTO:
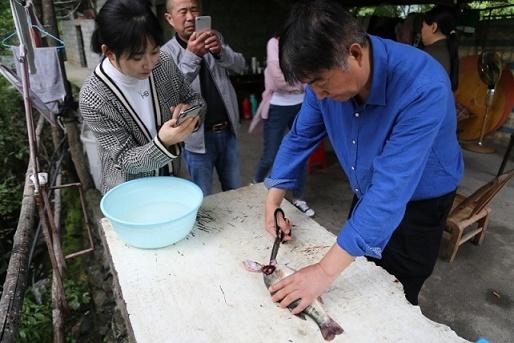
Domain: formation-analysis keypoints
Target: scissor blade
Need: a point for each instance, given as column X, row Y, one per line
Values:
column 274, row 250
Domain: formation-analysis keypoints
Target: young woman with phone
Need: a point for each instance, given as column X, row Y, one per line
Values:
column 133, row 98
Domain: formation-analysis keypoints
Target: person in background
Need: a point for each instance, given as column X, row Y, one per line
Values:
column 205, row 59
column 279, row 106
column 388, row 111
column 439, row 37
column 132, row 99
column 407, row 31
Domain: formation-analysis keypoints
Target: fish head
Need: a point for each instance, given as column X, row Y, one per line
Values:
column 271, row 273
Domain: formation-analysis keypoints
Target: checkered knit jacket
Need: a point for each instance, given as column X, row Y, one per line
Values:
column 126, row 149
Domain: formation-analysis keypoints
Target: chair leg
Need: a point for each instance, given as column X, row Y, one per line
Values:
column 483, row 223
column 507, row 153
column 456, row 235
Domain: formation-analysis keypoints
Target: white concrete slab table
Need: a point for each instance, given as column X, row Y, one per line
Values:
column 197, row 290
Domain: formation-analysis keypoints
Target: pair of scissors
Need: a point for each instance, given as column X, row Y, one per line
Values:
column 280, row 235
column 270, row 268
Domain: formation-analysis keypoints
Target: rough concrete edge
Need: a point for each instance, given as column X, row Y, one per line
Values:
column 93, row 198
column 117, row 292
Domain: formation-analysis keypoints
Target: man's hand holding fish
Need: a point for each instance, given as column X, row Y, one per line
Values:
column 310, row 282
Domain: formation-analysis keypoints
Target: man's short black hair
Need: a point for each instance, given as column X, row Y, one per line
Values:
column 317, row 36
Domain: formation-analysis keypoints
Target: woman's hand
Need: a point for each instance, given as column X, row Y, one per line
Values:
column 169, row 134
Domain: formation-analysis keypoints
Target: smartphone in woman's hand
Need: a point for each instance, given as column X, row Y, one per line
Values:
column 188, row 113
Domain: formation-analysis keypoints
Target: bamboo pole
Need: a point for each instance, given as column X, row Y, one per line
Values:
column 57, row 297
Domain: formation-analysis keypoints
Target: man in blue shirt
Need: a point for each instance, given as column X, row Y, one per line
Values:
column 388, row 110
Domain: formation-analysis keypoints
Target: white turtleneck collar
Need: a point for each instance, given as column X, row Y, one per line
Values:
column 137, row 92
column 117, row 75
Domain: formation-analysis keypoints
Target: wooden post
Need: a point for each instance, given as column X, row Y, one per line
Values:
column 77, row 154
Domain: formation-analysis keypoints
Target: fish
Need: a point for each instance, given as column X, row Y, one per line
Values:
column 274, row 272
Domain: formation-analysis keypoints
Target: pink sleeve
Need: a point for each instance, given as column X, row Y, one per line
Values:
column 277, row 82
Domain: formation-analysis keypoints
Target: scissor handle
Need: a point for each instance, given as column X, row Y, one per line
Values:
column 278, row 231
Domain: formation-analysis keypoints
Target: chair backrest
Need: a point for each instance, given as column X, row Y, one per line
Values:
column 477, row 201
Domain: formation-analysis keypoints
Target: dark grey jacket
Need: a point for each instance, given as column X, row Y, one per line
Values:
column 126, row 149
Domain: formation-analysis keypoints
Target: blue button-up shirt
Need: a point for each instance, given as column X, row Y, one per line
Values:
column 399, row 146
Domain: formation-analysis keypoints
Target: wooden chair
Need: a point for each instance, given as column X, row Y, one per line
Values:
column 469, row 216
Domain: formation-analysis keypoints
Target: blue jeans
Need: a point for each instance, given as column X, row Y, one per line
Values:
column 280, row 119
column 222, row 153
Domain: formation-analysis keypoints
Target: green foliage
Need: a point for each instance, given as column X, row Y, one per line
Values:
column 8, row 186
column 73, row 232
column 36, row 319
column 6, row 22
column 391, row 11
column 502, row 8
column 490, row 4
column 76, row 294
column 14, row 155
column 14, row 150
column 36, row 322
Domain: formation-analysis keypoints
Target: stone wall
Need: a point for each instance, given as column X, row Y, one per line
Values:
column 76, row 35
column 69, row 36
column 87, row 26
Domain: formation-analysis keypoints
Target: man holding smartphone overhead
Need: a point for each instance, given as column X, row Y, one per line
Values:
column 205, row 60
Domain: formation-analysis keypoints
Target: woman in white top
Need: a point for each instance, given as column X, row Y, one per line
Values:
column 132, row 99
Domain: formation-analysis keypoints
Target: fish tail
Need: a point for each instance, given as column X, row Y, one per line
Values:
column 330, row 329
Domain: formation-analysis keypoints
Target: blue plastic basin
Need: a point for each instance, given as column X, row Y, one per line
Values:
column 152, row 212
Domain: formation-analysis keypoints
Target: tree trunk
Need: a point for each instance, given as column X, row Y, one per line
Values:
column 17, row 271
column 16, row 278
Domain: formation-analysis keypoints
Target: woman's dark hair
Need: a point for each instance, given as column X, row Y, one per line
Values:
column 125, row 26
column 446, row 19
column 317, row 36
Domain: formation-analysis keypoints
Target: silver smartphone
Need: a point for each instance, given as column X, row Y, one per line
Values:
column 202, row 23
column 190, row 112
